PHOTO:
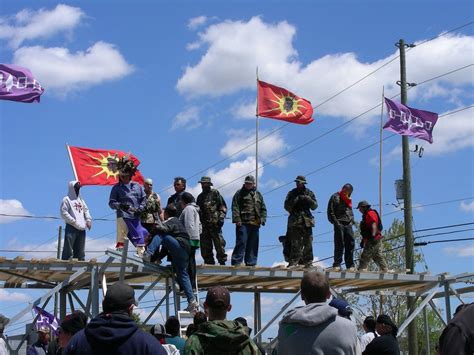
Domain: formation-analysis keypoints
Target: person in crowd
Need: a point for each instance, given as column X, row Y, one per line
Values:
column 3, row 340
column 386, row 343
column 189, row 217
column 244, row 323
column 179, row 187
column 371, row 231
column 172, row 328
column 73, row 323
column 369, row 328
column 128, row 199
column 160, row 333
column 152, row 211
column 316, row 327
column 199, row 317
column 40, row 347
column 458, row 336
column 212, row 210
column 76, row 214
column 340, row 215
column 299, row 203
column 190, row 329
column 343, row 308
column 219, row 335
column 172, row 234
column 248, row 213
column 114, row 332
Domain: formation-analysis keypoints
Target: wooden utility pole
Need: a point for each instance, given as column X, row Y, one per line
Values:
column 407, row 203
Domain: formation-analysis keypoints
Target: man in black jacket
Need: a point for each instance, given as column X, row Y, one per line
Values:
column 458, row 336
column 386, row 343
column 114, row 331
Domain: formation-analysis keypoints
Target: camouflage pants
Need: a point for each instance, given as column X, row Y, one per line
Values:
column 212, row 234
column 372, row 251
column 301, row 245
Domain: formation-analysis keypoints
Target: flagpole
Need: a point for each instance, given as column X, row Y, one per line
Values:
column 256, row 138
column 380, row 153
column 70, row 159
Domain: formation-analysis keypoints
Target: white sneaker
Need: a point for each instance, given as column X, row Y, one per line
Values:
column 352, row 269
column 192, row 307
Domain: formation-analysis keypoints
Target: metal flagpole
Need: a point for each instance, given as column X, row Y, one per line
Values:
column 256, row 138
column 72, row 163
column 380, row 161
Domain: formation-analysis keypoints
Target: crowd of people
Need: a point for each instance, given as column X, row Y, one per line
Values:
column 321, row 326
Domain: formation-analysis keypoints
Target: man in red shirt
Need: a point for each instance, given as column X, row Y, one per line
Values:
column 370, row 228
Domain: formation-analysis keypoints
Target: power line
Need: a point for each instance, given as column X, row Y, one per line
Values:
column 422, row 244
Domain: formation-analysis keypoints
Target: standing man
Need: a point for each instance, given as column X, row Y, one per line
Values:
column 153, row 211
column 76, row 214
column 298, row 203
column 128, row 199
column 192, row 223
column 340, row 215
column 179, row 187
column 370, row 229
column 212, row 210
column 41, row 345
column 248, row 213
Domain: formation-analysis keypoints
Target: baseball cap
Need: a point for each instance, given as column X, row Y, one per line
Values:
column 159, row 329
column 119, row 297
column 218, row 297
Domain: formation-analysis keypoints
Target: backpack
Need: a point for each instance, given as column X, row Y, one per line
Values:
column 380, row 225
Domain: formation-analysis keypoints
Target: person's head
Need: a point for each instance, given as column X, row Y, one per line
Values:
column 217, row 303
column 314, row 287
column 206, row 183
column 369, row 324
column 191, row 328
column 363, row 206
column 44, row 334
column 120, row 297
column 3, row 323
column 73, row 323
column 300, row 182
column 148, row 186
column 77, row 187
column 126, row 168
column 249, row 182
column 385, row 325
column 347, row 189
column 186, row 199
column 199, row 317
column 179, row 184
column 172, row 326
column 125, row 177
column 159, row 331
column 170, row 211
column 242, row 321
column 343, row 308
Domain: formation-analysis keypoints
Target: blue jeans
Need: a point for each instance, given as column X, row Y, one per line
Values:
column 74, row 243
column 246, row 243
column 180, row 261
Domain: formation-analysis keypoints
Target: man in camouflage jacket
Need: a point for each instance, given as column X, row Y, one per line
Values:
column 152, row 212
column 298, row 203
column 212, row 211
column 248, row 213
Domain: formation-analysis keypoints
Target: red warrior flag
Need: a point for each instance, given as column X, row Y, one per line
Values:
column 281, row 104
column 99, row 166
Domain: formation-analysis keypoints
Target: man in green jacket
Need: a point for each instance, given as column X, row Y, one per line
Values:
column 248, row 213
column 220, row 336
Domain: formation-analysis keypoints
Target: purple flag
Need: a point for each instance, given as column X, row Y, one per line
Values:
column 409, row 121
column 17, row 84
column 136, row 232
column 46, row 319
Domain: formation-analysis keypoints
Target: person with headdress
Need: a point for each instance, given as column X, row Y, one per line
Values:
column 386, row 343
column 129, row 200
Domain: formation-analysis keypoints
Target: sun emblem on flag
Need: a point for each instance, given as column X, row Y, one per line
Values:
column 287, row 105
column 106, row 164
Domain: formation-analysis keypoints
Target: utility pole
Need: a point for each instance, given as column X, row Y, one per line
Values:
column 407, row 204
column 58, row 256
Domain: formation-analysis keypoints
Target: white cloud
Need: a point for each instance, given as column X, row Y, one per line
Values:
column 62, row 72
column 7, row 296
column 461, row 251
column 467, row 207
column 11, row 207
column 236, row 48
column 196, row 22
column 188, row 119
column 28, row 24
column 244, row 110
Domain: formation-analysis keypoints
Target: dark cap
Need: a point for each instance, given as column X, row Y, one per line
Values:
column 218, row 297
column 363, row 203
column 119, row 297
column 186, row 197
column 73, row 323
column 343, row 308
column 250, row 179
column 159, row 329
column 301, row 179
column 205, row 179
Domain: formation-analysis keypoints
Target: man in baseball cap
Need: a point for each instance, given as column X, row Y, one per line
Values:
column 41, row 345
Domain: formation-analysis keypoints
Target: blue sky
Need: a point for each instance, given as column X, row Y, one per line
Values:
column 174, row 83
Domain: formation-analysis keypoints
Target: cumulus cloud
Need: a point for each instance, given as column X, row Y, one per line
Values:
column 244, row 110
column 61, row 71
column 11, row 207
column 467, row 206
column 235, row 48
column 196, row 22
column 7, row 296
column 188, row 119
column 464, row 251
column 28, row 24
